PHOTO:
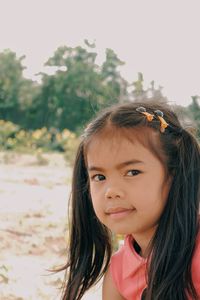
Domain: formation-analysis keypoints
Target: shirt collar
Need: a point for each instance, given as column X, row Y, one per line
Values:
column 132, row 261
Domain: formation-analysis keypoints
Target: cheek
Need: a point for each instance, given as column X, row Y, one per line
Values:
column 165, row 192
column 96, row 197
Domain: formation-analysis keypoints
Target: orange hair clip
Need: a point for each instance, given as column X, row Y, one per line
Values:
column 143, row 111
column 163, row 123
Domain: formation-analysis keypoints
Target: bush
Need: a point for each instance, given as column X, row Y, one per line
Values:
column 12, row 137
column 8, row 131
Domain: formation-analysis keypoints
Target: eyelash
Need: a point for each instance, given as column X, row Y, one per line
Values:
column 136, row 171
column 93, row 177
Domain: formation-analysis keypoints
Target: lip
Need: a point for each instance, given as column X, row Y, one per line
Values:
column 119, row 212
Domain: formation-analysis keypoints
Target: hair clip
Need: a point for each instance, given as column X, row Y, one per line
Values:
column 143, row 111
column 163, row 123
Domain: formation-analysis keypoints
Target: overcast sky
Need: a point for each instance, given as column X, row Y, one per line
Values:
column 159, row 38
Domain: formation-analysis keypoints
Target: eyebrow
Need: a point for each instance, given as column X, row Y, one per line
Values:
column 119, row 166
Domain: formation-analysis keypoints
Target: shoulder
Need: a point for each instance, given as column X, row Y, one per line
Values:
column 117, row 264
column 112, row 277
column 109, row 289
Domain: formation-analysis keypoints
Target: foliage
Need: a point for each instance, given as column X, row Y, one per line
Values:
column 72, row 95
column 79, row 87
column 116, row 85
column 10, row 81
column 12, row 137
column 139, row 92
column 15, row 91
column 194, row 112
column 7, row 132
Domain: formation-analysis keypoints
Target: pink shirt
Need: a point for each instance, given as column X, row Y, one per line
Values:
column 128, row 270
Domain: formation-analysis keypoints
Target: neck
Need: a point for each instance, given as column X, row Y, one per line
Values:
column 142, row 251
column 143, row 241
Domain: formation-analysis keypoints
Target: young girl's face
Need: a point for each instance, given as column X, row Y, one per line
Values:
column 128, row 185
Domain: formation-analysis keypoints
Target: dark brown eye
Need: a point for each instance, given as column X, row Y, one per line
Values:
column 98, row 177
column 133, row 172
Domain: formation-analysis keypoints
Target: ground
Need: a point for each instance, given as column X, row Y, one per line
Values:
column 34, row 193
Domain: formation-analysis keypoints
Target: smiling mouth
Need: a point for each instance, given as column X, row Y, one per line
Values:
column 119, row 212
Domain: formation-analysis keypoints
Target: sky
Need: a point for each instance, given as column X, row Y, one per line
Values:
column 159, row 38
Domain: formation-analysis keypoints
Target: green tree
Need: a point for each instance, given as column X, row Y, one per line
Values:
column 116, row 84
column 16, row 92
column 78, row 89
column 194, row 112
column 11, row 80
column 139, row 92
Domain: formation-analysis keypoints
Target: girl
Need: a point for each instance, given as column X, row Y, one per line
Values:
column 136, row 173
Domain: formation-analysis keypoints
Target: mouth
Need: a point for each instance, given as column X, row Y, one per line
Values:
column 119, row 212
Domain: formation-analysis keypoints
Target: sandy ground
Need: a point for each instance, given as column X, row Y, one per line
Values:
column 33, row 225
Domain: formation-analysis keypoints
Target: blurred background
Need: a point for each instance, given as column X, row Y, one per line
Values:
column 60, row 63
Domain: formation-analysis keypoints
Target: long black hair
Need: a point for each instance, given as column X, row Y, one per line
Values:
column 169, row 270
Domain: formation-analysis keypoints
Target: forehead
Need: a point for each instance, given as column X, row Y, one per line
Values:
column 119, row 145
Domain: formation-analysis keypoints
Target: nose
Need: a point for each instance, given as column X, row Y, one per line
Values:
column 114, row 192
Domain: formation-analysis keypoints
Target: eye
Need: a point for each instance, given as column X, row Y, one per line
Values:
column 98, row 177
column 133, row 172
